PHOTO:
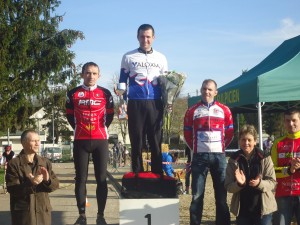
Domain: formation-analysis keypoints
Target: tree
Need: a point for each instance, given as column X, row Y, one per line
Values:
column 53, row 101
column 33, row 53
column 273, row 124
column 123, row 123
column 177, row 116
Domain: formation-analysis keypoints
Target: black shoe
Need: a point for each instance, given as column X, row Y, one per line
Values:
column 81, row 220
column 100, row 220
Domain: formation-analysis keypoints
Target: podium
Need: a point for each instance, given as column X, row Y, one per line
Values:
column 148, row 199
column 158, row 211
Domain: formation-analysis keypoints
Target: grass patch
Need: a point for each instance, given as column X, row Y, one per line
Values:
column 2, row 176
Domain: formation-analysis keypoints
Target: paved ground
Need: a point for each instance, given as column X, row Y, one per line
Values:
column 63, row 200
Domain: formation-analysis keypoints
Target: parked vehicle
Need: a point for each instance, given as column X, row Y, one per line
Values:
column 52, row 153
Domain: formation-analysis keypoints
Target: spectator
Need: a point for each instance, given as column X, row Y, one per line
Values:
column 116, row 151
column 121, row 152
column 7, row 155
column 286, row 157
column 250, row 176
column 90, row 111
column 267, row 144
column 167, row 160
column 126, row 153
column 142, row 67
column 208, row 130
column 29, row 179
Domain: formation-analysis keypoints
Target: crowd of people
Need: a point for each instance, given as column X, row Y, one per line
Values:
column 119, row 155
column 265, row 184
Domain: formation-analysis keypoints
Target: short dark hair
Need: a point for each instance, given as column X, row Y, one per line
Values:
column 89, row 64
column 208, row 81
column 25, row 133
column 145, row 27
column 292, row 111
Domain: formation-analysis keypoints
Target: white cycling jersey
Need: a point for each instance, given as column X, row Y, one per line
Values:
column 142, row 69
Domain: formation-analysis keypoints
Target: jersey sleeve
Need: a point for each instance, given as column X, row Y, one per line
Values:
column 228, row 127
column 125, row 70
column 109, row 109
column 124, row 74
column 165, row 65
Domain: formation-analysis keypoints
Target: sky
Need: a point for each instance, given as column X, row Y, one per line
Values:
column 203, row 39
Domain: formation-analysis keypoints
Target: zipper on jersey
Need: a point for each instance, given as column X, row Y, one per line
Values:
column 90, row 117
column 146, row 64
column 291, row 177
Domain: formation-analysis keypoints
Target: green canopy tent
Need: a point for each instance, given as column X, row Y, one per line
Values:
column 271, row 86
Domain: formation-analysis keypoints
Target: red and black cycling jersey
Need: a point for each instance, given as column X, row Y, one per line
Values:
column 90, row 111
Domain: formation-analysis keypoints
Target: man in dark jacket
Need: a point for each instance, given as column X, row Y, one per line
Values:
column 29, row 179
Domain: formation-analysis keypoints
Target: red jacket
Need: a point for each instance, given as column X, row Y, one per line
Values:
column 208, row 127
column 283, row 150
column 90, row 111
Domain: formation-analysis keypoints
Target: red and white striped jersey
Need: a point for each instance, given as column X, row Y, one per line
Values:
column 208, row 127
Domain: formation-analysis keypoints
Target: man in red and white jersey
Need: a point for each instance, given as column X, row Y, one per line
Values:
column 90, row 111
column 208, row 130
column 286, row 158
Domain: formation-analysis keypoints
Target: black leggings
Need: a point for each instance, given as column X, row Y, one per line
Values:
column 81, row 153
column 145, row 119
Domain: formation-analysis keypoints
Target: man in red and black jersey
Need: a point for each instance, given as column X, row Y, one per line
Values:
column 90, row 111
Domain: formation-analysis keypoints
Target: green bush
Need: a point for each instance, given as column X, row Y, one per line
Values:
column 66, row 155
column 2, row 176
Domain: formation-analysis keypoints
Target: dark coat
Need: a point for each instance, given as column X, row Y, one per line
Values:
column 29, row 204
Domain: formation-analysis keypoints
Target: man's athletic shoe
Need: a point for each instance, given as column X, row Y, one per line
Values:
column 81, row 220
column 100, row 220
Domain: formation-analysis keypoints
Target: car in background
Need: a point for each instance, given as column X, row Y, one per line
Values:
column 52, row 153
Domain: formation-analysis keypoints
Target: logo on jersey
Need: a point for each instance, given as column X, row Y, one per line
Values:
column 89, row 102
column 90, row 127
column 80, row 94
column 217, row 111
column 145, row 64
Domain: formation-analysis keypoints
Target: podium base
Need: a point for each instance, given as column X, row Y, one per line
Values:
column 162, row 211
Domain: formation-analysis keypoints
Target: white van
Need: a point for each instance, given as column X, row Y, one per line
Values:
column 52, row 153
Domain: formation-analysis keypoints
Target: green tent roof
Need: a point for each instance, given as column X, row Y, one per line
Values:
column 275, row 81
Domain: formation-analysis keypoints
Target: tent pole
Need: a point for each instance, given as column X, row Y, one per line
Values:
column 260, row 124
